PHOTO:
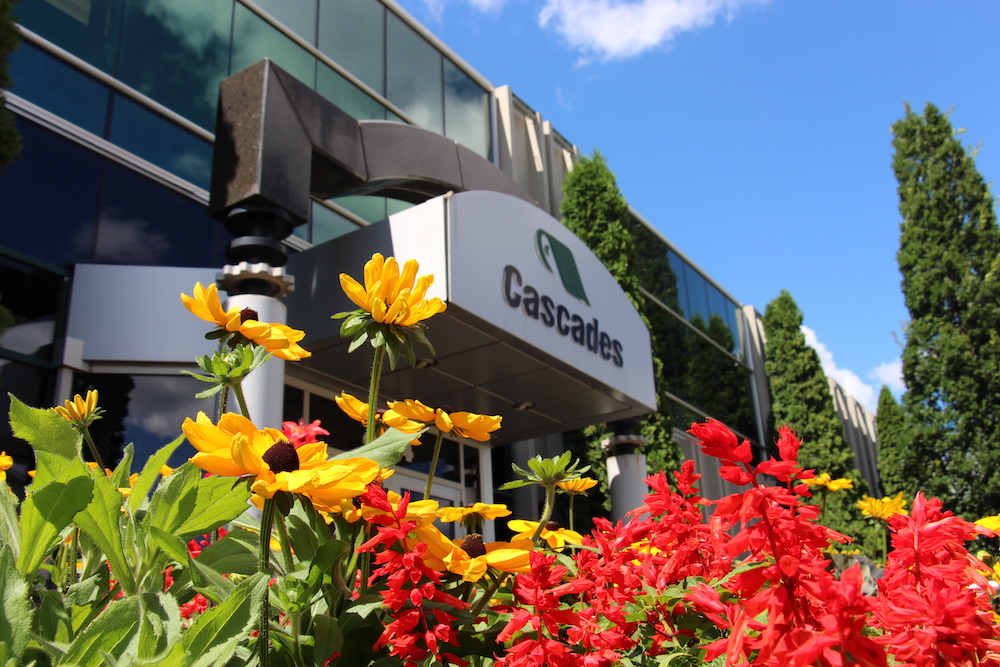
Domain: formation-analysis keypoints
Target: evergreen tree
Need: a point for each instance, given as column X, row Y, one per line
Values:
column 948, row 245
column 10, row 138
column 594, row 209
column 890, row 427
column 801, row 399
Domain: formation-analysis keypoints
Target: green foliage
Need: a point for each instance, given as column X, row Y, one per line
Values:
column 891, row 428
column 949, row 246
column 801, row 399
column 10, row 38
column 594, row 209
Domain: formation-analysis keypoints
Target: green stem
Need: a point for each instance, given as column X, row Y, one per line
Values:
column 572, row 498
column 93, row 448
column 238, row 391
column 373, row 392
column 286, row 551
column 434, row 463
column 71, row 570
column 483, row 601
column 223, row 402
column 264, row 565
column 550, row 498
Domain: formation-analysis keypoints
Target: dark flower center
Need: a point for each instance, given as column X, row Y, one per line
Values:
column 282, row 457
column 248, row 314
column 552, row 525
column 473, row 545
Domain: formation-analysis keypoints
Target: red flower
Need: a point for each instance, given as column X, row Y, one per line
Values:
column 299, row 433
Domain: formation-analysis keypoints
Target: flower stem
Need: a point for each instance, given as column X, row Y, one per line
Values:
column 550, row 501
column 223, row 401
column 238, row 391
column 434, row 463
column 572, row 497
column 93, row 447
column 373, row 392
column 264, row 565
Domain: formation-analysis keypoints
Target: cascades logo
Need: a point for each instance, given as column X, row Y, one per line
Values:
column 543, row 308
column 548, row 246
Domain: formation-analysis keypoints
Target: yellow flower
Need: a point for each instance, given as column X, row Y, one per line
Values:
column 449, row 514
column 990, row 522
column 5, row 464
column 165, row 470
column 578, row 486
column 555, row 536
column 279, row 339
column 236, row 448
column 465, row 424
column 357, row 410
column 882, row 509
column 470, row 558
column 80, row 411
column 391, row 296
column 830, row 484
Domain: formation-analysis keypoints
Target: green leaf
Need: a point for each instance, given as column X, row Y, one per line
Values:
column 235, row 553
column 136, row 626
column 43, row 429
column 171, row 545
column 328, row 637
column 15, row 612
column 188, row 505
column 387, row 450
column 150, row 473
column 52, row 623
column 217, row 631
column 10, row 524
column 49, row 509
column 101, row 520
column 358, row 341
column 124, row 469
column 208, row 582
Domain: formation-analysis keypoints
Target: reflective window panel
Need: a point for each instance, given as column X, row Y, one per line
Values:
column 177, row 53
column 50, row 198
column 347, row 96
column 678, row 265
column 31, row 308
column 144, row 223
column 152, row 137
column 299, row 16
column 345, row 433
column 352, row 33
column 328, row 224
column 466, row 110
column 86, row 28
column 32, row 385
column 413, row 75
column 697, row 296
column 255, row 39
column 58, row 87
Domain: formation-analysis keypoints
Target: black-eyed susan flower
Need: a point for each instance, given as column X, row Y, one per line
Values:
column 80, row 411
column 237, row 448
column 824, row 480
column 357, row 410
column 884, row 508
column 473, row 516
column 465, row 424
column 392, row 296
column 578, row 486
column 5, row 464
column 470, row 558
column 237, row 326
column 552, row 533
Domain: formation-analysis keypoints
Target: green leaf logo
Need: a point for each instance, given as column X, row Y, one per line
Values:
column 552, row 251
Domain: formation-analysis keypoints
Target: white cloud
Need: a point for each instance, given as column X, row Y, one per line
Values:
column 863, row 393
column 617, row 29
column 890, row 374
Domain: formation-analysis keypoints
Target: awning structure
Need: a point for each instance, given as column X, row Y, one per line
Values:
column 536, row 328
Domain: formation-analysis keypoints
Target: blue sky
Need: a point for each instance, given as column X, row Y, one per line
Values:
column 755, row 134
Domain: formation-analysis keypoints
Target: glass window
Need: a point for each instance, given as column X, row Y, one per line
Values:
column 413, row 75
column 31, row 385
column 697, row 296
column 177, row 53
column 298, row 16
column 328, row 224
column 654, row 268
column 144, row 223
column 145, row 410
column 255, row 39
column 345, row 433
column 723, row 309
column 678, row 264
column 466, row 110
column 31, row 307
column 393, row 206
column 152, row 137
column 50, row 198
column 60, row 88
column 86, row 28
column 347, row 96
column 352, row 33
column 370, row 209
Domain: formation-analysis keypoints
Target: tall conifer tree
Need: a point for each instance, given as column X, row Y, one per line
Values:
column 801, row 399
column 594, row 209
column 10, row 38
column 949, row 242
column 891, row 430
